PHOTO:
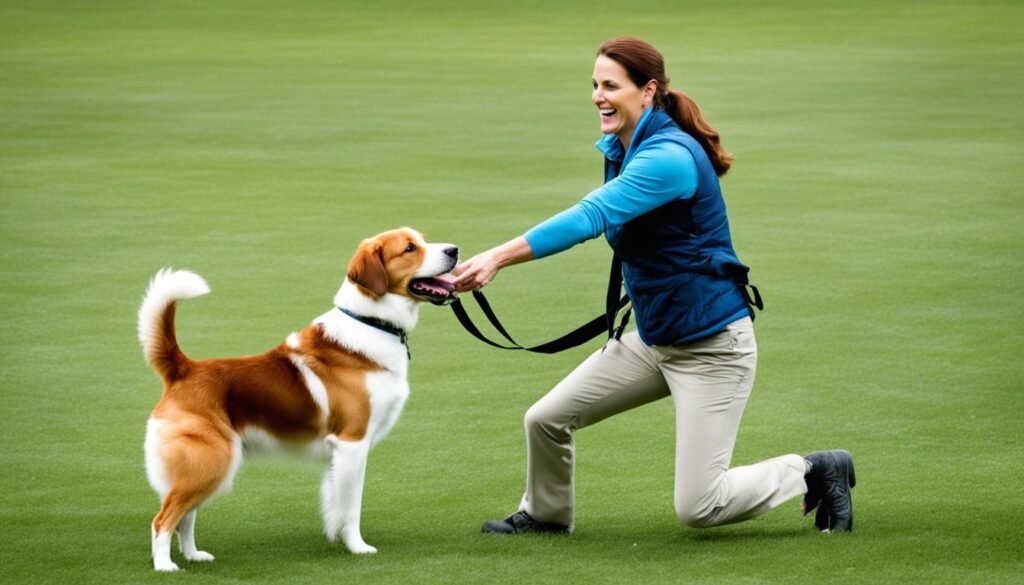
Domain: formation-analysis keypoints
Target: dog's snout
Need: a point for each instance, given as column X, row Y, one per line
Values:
column 452, row 252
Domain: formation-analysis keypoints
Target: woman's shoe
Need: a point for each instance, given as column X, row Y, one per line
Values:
column 829, row 481
column 520, row 523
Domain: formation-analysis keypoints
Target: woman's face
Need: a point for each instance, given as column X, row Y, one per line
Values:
column 619, row 101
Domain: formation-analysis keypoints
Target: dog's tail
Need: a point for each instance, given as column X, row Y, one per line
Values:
column 156, row 319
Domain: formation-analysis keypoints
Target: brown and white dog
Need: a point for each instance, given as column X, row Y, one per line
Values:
column 339, row 383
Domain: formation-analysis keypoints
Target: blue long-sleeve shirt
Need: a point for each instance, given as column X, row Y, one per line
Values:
column 659, row 171
column 662, row 211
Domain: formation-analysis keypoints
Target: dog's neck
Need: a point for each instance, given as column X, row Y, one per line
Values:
column 402, row 312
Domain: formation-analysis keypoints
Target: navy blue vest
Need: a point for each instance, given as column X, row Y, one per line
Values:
column 678, row 263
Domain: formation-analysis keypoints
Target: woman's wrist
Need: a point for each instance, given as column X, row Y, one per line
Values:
column 514, row 251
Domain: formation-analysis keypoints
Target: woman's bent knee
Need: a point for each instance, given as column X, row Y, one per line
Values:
column 536, row 418
column 696, row 516
column 539, row 419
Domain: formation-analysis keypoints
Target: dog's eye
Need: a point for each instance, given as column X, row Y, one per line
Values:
column 411, row 247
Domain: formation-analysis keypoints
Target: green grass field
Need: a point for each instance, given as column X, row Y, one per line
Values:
column 876, row 194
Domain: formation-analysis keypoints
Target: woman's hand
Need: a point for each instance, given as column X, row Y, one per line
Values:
column 477, row 272
column 480, row 270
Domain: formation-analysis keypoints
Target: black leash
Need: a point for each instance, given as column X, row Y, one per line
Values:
column 599, row 324
column 604, row 323
column 744, row 283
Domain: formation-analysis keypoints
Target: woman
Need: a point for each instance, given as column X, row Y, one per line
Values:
column 662, row 211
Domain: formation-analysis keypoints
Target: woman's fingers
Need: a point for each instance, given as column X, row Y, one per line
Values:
column 473, row 274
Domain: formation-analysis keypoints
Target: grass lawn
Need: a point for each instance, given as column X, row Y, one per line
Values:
column 876, row 194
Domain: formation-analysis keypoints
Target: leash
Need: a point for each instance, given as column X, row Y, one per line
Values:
column 597, row 325
column 744, row 283
column 603, row 323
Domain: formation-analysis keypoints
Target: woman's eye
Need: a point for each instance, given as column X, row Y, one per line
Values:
column 411, row 247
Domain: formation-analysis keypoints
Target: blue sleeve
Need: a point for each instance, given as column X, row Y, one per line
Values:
column 659, row 173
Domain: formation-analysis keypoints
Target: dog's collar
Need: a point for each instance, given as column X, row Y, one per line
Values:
column 401, row 334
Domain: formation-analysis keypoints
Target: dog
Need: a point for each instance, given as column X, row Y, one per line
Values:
column 339, row 384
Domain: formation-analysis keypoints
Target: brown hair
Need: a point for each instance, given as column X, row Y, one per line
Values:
column 643, row 63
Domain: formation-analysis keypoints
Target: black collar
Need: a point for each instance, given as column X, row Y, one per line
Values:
column 401, row 334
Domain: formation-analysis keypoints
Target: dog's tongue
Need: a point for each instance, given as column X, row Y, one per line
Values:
column 442, row 286
column 446, row 280
column 439, row 290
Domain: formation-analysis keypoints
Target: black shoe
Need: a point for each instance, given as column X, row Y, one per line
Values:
column 829, row 483
column 520, row 523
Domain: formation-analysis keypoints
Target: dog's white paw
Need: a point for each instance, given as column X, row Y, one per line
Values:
column 360, row 548
column 164, row 566
column 354, row 542
column 199, row 557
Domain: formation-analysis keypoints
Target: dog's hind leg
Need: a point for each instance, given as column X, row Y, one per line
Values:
column 197, row 460
column 187, row 539
column 172, row 511
column 342, row 493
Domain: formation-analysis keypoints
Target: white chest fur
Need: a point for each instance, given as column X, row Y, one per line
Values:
column 388, row 393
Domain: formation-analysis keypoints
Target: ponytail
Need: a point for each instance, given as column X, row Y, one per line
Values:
column 690, row 118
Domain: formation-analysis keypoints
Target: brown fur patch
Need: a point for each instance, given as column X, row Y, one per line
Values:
column 385, row 263
column 343, row 374
column 367, row 269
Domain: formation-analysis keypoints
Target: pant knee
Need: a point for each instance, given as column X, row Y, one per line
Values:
column 534, row 419
column 538, row 420
column 696, row 516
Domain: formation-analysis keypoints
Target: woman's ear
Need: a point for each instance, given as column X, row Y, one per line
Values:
column 650, row 90
column 367, row 269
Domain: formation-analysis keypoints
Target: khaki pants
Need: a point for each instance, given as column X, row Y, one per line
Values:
column 709, row 381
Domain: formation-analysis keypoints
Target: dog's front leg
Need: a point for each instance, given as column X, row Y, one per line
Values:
column 341, row 493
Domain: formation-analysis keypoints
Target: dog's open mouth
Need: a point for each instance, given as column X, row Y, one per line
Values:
column 437, row 289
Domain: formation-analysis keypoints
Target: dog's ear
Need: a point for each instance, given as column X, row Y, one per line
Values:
column 367, row 269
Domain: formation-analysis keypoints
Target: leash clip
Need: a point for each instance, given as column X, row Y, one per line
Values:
column 616, row 334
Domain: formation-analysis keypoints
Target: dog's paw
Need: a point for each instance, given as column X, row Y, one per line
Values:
column 356, row 545
column 164, row 566
column 199, row 557
column 361, row 548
